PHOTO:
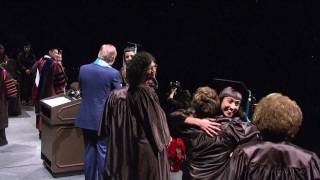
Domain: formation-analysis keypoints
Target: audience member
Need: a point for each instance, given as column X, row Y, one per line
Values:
column 25, row 61
column 177, row 97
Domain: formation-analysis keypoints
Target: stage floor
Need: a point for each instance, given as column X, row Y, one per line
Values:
column 20, row 158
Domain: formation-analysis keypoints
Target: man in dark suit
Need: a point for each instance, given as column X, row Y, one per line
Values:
column 96, row 81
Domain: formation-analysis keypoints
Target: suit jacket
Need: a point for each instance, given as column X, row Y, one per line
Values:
column 96, row 83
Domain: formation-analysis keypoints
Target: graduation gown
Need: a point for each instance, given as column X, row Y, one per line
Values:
column 208, row 157
column 138, row 135
column 269, row 160
column 53, row 81
column 14, row 105
column 25, row 62
column 7, row 89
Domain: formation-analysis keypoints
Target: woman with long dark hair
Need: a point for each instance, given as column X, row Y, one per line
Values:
column 137, row 126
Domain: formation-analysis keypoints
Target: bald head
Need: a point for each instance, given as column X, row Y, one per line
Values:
column 108, row 53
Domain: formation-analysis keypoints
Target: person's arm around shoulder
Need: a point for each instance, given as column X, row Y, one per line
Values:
column 208, row 125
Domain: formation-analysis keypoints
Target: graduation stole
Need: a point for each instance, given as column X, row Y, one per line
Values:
column 9, row 84
column 43, row 73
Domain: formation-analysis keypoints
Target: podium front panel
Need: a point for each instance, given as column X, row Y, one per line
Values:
column 70, row 139
column 62, row 148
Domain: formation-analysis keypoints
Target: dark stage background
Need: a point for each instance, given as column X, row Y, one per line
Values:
column 272, row 46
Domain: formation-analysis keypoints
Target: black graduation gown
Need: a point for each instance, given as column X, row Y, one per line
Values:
column 7, row 90
column 268, row 160
column 138, row 135
column 208, row 157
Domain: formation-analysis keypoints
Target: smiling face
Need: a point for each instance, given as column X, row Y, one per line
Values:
column 128, row 56
column 152, row 70
column 230, row 106
column 54, row 53
column 141, row 69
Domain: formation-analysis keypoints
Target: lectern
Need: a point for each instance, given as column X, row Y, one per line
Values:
column 62, row 146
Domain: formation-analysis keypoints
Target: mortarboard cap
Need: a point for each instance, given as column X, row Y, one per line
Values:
column 27, row 44
column 222, row 84
column 227, row 87
column 128, row 49
column 134, row 46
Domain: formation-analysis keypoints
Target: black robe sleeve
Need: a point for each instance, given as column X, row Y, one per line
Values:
column 208, row 157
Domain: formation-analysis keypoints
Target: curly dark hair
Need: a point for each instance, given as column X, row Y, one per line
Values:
column 206, row 102
column 277, row 116
column 137, row 68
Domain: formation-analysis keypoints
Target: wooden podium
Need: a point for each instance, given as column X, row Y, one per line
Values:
column 62, row 146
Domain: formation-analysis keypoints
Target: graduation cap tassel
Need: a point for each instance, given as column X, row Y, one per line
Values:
column 248, row 105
